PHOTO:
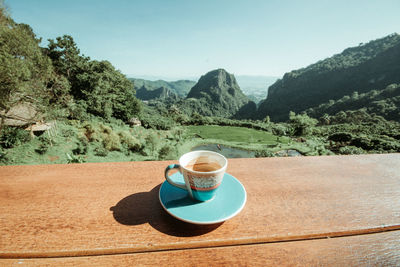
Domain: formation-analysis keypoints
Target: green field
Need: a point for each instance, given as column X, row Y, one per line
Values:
column 254, row 140
column 235, row 134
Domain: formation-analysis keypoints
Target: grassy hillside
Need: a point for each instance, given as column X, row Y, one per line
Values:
column 94, row 141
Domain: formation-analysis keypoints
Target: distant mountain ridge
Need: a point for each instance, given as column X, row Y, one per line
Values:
column 160, row 93
column 146, row 90
column 370, row 66
column 253, row 86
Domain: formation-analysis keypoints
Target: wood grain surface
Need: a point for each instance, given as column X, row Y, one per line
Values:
column 113, row 208
column 381, row 249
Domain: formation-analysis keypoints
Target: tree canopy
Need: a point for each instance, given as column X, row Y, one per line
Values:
column 58, row 80
column 26, row 73
column 101, row 89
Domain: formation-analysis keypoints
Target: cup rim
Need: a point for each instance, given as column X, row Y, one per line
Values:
column 223, row 168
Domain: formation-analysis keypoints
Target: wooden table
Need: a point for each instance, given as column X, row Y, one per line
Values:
column 336, row 210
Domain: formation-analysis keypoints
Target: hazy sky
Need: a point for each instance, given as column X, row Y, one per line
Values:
column 180, row 38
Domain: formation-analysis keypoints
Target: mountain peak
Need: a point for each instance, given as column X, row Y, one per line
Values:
column 221, row 77
column 215, row 83
column 219, row 89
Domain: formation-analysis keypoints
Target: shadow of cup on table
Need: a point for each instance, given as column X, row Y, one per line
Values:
column 145, row 207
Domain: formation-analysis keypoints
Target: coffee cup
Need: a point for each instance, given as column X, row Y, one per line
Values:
column 202, row 171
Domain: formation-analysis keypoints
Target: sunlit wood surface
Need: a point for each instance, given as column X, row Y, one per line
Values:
column 110, row 213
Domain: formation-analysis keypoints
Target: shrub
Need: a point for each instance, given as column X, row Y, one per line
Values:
column 302, row 124
column 129, row 141
column 279, row 129
column 100, row 151
column 264, row 154
column 89, row 131
column 78, row 110
column 96, row 132
column 182, row 119
column 82, row 146
column 198, row 119
column 178, row 133
column 42, row 149
column 152, row 141
column 93, row 132
column 68, row 132
column 340, row 137
column 154, row 121
column 350, row 150
column 45, row 143
column 166, row 152
column 13, row 136
column 105, row 129
column 75, row 159
column 3, row 156
column 117, row 122
column 112, row 142
column 362, row 142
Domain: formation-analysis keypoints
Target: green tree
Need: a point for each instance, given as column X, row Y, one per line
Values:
column 302, row 124
column 26, row 73
column 68, row 62
column 106, row 92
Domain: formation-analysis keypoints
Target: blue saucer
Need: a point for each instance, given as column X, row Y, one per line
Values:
column 228, row 202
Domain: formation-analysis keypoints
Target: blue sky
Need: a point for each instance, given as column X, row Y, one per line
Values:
column 179, row 39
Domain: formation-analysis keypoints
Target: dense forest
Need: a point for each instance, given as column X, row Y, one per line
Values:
column 59, row 106
column 370, row 66
column 383, row 102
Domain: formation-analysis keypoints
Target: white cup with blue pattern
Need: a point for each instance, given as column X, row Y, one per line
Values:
column 202, row 171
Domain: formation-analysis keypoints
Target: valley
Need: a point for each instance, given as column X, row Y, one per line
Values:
column 86, row 110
